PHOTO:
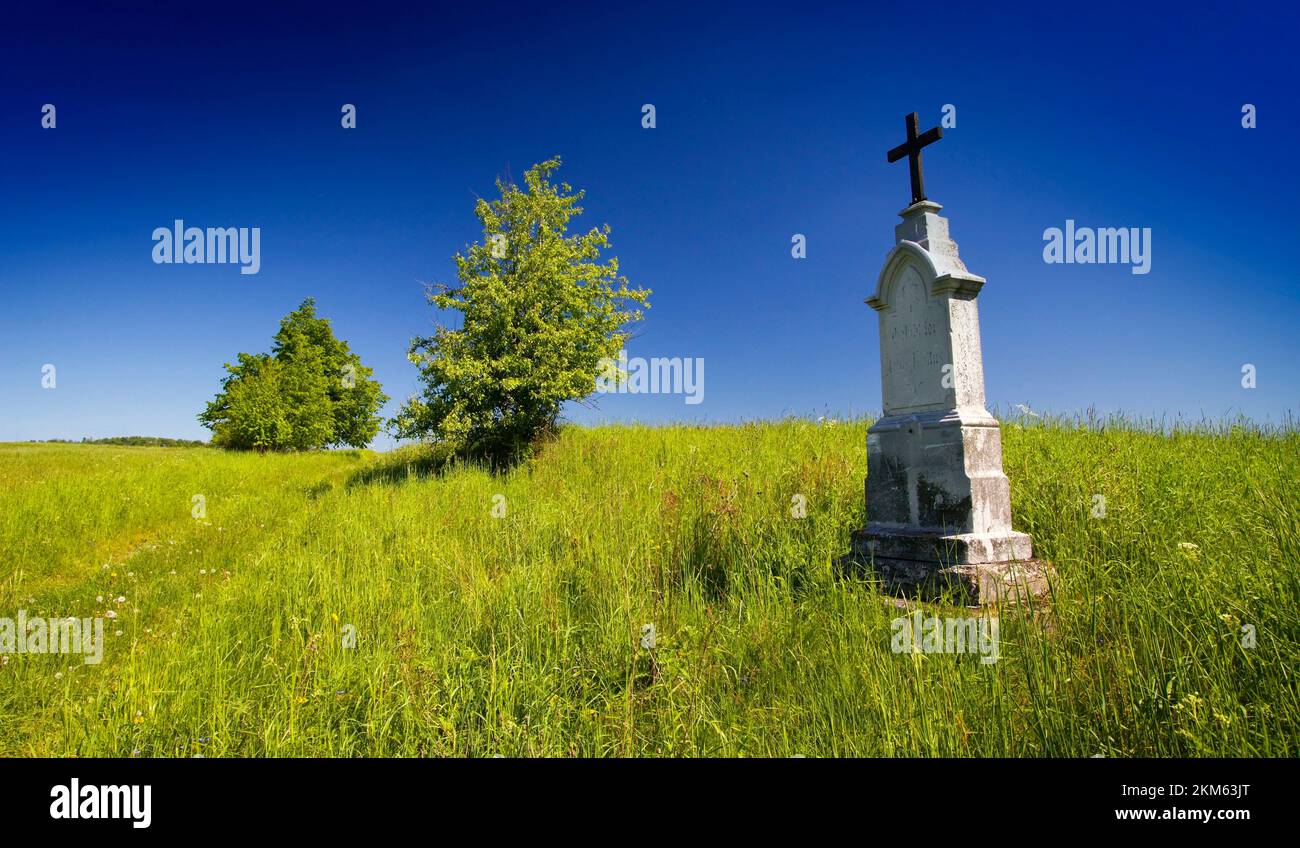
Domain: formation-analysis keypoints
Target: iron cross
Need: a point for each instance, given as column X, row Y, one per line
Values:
column 912, row 150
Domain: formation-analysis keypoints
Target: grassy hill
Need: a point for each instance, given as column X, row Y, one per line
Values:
column 478, row 633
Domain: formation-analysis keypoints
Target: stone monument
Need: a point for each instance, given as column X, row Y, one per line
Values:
column 938, row 504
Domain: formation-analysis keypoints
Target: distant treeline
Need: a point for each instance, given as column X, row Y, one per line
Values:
column 132, row 441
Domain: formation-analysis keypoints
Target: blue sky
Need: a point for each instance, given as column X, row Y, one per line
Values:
column 770, row 122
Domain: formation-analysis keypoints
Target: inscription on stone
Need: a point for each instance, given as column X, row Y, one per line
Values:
column 912, row 347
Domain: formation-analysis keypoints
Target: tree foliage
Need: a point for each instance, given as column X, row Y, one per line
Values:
column 539, row 309
column 310, row 392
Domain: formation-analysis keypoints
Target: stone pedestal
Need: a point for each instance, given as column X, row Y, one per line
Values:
column 938, row 504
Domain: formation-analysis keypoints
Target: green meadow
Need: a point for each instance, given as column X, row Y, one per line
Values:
column 358, row 604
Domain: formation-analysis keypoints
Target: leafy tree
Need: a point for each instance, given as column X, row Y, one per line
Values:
column 539, row 310
column 310, row 392
column 251, row 411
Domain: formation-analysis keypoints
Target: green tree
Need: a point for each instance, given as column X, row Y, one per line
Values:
column 310, row 392
column 539, row 310
column 251, row 412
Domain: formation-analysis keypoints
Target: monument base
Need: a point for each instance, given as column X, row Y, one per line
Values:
column 943, row 568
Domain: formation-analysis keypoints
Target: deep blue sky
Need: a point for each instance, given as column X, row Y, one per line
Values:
column 771, row 121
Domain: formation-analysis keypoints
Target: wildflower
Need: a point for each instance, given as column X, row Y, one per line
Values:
column 110, row 614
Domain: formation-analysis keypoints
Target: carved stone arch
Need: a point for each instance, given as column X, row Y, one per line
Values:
column 904, row 253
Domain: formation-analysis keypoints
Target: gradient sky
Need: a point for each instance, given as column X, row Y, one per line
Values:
column 771, row 121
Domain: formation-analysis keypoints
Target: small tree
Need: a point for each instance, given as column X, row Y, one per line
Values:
column 539, row 311
column 310, row 392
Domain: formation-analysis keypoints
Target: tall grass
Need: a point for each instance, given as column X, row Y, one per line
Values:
column 479, row 633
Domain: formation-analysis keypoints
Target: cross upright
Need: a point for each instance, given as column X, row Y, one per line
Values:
column 912, row 150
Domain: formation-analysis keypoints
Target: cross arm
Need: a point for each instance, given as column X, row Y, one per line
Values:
column 930, row 136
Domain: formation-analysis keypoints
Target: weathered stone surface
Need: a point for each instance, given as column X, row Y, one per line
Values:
column 943, row 550
column 974, row 584
column 938, row 503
